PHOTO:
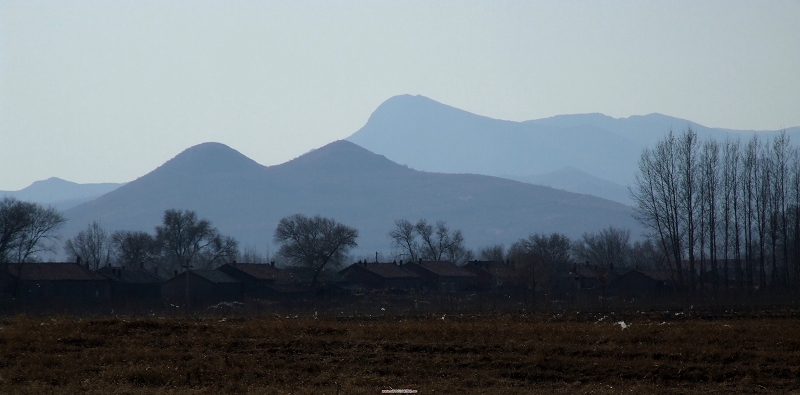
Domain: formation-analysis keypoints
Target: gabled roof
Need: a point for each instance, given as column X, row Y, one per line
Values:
column 660, row 275
column 131, row 276
column 259, row 271
column 383, row 269
column 496, row 269
column 215, row 276
column 444, row 268
column 54, row 271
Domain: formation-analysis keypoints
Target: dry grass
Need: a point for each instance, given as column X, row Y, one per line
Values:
column 492, row 355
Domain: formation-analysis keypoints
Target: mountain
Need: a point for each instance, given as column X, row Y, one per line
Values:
column 574, row 180
column 350, row 184
column 431, row 136
column 61, row 194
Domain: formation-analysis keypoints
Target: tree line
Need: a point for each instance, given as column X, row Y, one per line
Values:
column 724, row 214
column 183, row 240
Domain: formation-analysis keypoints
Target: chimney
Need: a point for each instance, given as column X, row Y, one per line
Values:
column 420, row 261
column 401, row 262
column 395, row 261
column 272, row 263
column 78, row 259
column 233, row 263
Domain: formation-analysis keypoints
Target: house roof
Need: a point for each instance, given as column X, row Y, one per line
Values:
column 132, row 276
column 660, row 275
column 444, row 268
column 54, row 271
column 215, row 276
column 259, row 271
column 495, row 269
column 384, row 269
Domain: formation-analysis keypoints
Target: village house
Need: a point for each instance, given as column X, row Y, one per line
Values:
column 381, row 275
column 642, row 284
column 202, row 287
column 588, row 276
column 132, row 288
column 253, row 275
column 494, row 276
column 284, row 292
column 54, row 285
column 442, row 276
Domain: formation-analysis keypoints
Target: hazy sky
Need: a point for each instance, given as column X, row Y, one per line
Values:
column 106, row 91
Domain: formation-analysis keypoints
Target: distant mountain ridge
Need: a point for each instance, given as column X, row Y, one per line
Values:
column 61, row 194
column 350, row 184
column 574, row 180
column 431, row 136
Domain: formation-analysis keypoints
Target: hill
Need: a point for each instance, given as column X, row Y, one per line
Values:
column 350, row 184
column 61, row 194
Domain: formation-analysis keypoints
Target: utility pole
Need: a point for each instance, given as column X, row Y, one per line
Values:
column 187, row 266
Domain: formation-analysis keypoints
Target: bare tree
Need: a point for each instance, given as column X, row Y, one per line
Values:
column 730, row 209
column 656, row 200
column 314, row 242
column 251, row 255
column 607, row 247
column 436, row 242
column 540, row 259
column 749, row 177
column 134, row 249
column 404, row 237
column 554, row 249
column 794, row 213
column 646, row 254
column 26, row 228
column 495, row 253
column 183, row 239
column 781, row 153
column 92, row 244
column 709, row 185
column 687, row 152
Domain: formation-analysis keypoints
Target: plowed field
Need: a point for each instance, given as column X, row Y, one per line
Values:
column 648, row 353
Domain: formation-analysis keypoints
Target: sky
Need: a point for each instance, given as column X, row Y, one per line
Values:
column 106, row 91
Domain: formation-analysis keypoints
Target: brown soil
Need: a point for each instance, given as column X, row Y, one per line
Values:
column 656, row 353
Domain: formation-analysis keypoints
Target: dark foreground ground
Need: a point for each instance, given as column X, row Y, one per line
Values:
column 663, row 352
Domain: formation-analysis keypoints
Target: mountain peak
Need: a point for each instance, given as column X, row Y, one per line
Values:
column 52, row 182
column 210, row 157
column 415, row 110
column 340, row 157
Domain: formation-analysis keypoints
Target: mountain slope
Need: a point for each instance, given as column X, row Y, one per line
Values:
column 432, row 136
column 350, row 184
column 574, row 180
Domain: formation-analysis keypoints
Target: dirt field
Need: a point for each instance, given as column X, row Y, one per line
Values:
column 655, row 353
